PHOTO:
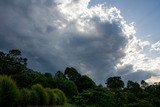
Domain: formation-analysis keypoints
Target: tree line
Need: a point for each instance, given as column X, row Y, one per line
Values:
column 21, row 86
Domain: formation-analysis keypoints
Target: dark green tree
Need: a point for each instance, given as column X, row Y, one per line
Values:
column 85, row 83
column 67, row 86
column 95, row 98
column 59, row 75
column 140, row 103
column 72, row 74
column 15, row 56
column 144, row 84
column 130, row 97
column 48, row 75
column 24, row 79
column 134, row 87
column 114, row 83
column 119, row 98
column 12, row 63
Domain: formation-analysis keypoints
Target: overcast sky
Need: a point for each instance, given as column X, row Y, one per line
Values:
column 98, row 39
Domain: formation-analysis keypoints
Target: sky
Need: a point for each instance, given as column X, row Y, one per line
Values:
column 144, row 13
column 98, row 38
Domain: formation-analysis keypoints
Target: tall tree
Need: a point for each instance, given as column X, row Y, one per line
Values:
column 59, row 75
column 85, row 83
column 67, row 86
column 114, row 83
column 72, row 74
column 144, row 84
column 134, row 87
column 14, row 55
column 12, row 62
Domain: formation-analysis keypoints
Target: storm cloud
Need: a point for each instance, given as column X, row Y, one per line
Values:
column 54, row 34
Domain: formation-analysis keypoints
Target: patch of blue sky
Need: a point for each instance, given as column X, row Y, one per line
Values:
column 144, row 13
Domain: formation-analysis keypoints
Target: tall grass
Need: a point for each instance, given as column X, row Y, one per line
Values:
column 61, row 98
column 25, row 97
column 43, row 98
column 52, row 96
column 9, row 93
column 33, row 97
column 11, row 96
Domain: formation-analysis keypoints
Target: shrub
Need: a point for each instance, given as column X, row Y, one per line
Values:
column 9, row 94
column 94, row 97
column 42, row 94
column 25, row 97
column 61, row 98
column 67, row 86
column 52, row 96
column 33, row 97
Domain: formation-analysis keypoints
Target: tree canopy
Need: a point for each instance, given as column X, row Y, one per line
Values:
column 22, row 86
column 114, row 83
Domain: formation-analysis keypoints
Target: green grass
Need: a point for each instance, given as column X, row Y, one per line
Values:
column 65, row 105
column 68, row 105
column 72, row 105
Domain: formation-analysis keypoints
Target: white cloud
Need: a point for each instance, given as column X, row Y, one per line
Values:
column 156, row 47
column 141, row 55
column 153, row 79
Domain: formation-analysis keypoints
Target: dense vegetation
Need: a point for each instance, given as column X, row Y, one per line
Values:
column 21, row 86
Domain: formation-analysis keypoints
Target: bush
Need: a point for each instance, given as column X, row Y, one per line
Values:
column 33, row 97
column 94, row 97
column 52, row 96
column 61, row 98
column 43, row 97
column 25, row 97
column 9, row 94
column 67, row 86
column 140, row 103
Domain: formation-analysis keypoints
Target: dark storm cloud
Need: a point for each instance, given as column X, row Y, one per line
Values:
column 137, row 76
column 19, row 29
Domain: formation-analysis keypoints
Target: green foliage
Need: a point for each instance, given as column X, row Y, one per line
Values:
column 98, row 98
column 85, row 83
column 130, row 98
column 83, row 98
column 79, row 89
column 15, row 56
column 23, row 79
column 67, row 86
column 114, row 83
column 12, row 63
column 119, row 98
column 59, row 75
column 52, row 96
column 61, row 98
column 144, row 84
column 48, row 75
column 103, row 99
column 33, row 97
column 72, row 74
column 43, row 98
column 134, row 87
column 9, row 94
column 140, row 103
column 25, row 97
